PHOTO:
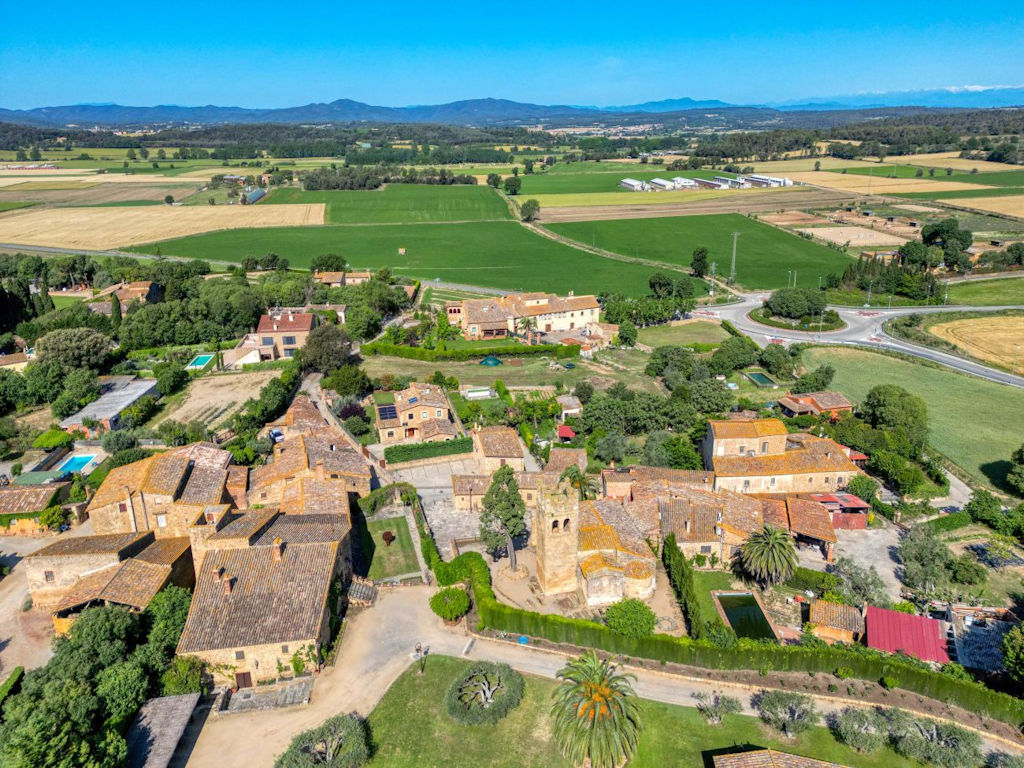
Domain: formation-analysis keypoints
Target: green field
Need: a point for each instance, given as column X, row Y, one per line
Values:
column 410, row 729
column 700, row 332
column 981, row 293
column 500, row 254
column 13, row 205
column 764, row 254
column 387, row 562
column 976, row 423
column 402, row 203
column 899, row 172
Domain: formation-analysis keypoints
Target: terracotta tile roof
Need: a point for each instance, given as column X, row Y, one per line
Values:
column 561, row 459
column 165, row 551
column 744, row 428
column 164, row 474
column 690, row 523
column 204, row 454
column 205, row 486
column 112, row 489
column 245, row 527
column 313, row 528
column 826, row 401
column 477, row 485
column 13, row 358
column 16, row 499
column 311, row 495
column 836, row 615
column 816, row 455
column 638, row 569
column 302, row 453
column 435, row 427
column 664, row 476
column 775, row 513
column 418, row 395
column 102, row 544
column 296, row 322
column 500, row 442
column 302, row 414
column 598, row 562
column 734, row 512
column 608, row 522
column 770, row 758
column 131, row 582
column 505, row 308
column 569, row 402
column 809, row 518
column 270, row 601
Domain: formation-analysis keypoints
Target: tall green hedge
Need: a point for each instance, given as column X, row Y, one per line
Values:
column 431, row 355
column 395, row 454
column 374, row 500
column 863, row 664
column 12, row 684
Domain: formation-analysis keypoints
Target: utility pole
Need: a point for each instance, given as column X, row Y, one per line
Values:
column 732, row 269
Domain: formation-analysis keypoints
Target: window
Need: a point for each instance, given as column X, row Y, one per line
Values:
column 284, row 649
column 810, row 479
column 705, row 549
column 839, row 480
column 267, row 341
column 289, row 353
column 746, row 484
column 263, row 495
column 772, row 482
column 122, row 507
column 161, row 521
column 48, row 575
column 424, row 415
column 764, row 447
column 565, row 525
column 239, row 655
column 439, row 413
column 288, row 341
column 391, row 433
column 828, row 481
column 554, row 525
column 743, row 449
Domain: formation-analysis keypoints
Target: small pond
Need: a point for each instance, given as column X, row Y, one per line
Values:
column 761, row 379
column 744, row 614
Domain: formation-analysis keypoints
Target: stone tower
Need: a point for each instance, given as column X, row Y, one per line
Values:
column 556, row 536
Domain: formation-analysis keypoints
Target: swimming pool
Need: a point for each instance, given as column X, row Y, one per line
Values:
column 743, row 612
column 199, row 362
column 760, row 379
column 76, row 463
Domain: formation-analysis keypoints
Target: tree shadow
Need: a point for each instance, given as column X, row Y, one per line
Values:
column 363, row 545
column 996, row 472
column 710, row 755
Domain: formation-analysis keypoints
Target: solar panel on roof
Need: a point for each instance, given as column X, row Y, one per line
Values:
column 413, row 400
column 388, row 412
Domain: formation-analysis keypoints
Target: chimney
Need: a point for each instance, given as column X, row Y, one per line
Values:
column 217, row 573
column 275, row 326
column 227, row 584
column 278, row 549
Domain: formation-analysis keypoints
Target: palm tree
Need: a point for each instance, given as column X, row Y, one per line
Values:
column 526, row 324
column 597, row 718
column 579, row 480
column 768, row 556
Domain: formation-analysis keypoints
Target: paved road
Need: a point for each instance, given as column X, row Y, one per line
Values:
column 376, row 649
column 864, row 328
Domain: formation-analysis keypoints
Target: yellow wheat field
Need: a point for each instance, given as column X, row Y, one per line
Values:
column 949, row 160
column 1010, row 205
column 855, row 182
column 103, row 228
column 997, row 339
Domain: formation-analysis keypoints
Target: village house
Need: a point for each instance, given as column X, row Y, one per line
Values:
column 341, row 279
column 709, row 526
column 266, row 593
column 500, row 317
column 57, row 567
column 496, row 447
column 643, row 488
column 569, row 406
column 300, row 417
column 280, row 334
column 14, row 361
column 164, row 493
column 29, row 500
column 593, row 547
column 815, row 404
column 758, row 456
column 323, row 453
column 142, row 290
column 104, row 414
column 420, row 413
column 836, row 622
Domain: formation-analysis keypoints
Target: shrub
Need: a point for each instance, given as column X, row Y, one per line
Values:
column 54, row 517
column 381, row 497
column 451, row 603
column 339, row 742
column 889, row 682
column 185, row 675
column 10, row 686
column 819, row 582
column 791, row 713
column 861, row 729
column 395, row 454
column 844, row 672
column 52, row 438
column 715, row 706
column 484, row 693
column 949, row 522
column 631, row 618
column 118, row 440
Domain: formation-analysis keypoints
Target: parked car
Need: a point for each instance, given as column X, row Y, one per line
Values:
column 276, row 436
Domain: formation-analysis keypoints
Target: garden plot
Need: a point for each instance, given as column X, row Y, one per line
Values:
column 212, row 399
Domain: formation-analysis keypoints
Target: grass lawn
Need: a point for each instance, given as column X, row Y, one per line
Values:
column 59, row 302
column 976, row 423
column 409, row 728
column 384, row 398
column 461, row 343
column 988, row 292
column 384, row 561
column 402, row 203
column 705, row 582
column 765, row 255
column 495, row 254
column 856, row 298
column 699, row 332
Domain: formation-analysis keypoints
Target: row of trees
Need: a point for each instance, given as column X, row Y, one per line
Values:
column 372, row 177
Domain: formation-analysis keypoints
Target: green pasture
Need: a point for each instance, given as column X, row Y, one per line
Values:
column 13, row 205
column 402, row 203
column 764, row 254
column 976, row 423
column 699, row 332
column 499, row 254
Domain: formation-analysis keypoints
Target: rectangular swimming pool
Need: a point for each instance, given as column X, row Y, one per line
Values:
column 742, row 611
column 761, row 380
column 198, row 362
column 76, row 463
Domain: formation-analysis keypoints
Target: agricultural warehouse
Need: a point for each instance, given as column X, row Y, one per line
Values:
column 105, row 412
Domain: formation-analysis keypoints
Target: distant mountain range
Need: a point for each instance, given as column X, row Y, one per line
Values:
column 488, row 111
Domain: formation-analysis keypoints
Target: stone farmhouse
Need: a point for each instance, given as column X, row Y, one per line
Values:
column 496, row 447
column 836, row 622
column 815, row 404
column 500, row 317
column 141, row 290
column 468, row 490
column 341, row 279
column 758, row 456
column 421, row 413
column 267, row 589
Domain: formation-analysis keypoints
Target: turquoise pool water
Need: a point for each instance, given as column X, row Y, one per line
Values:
column 199, row 361
column 760, row 379
column 745, row 616
column 76, row 463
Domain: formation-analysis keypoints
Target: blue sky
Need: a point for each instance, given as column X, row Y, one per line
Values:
column 261, row 54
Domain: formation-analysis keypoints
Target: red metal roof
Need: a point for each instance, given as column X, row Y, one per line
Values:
column 566, row 431
column 916, row 636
